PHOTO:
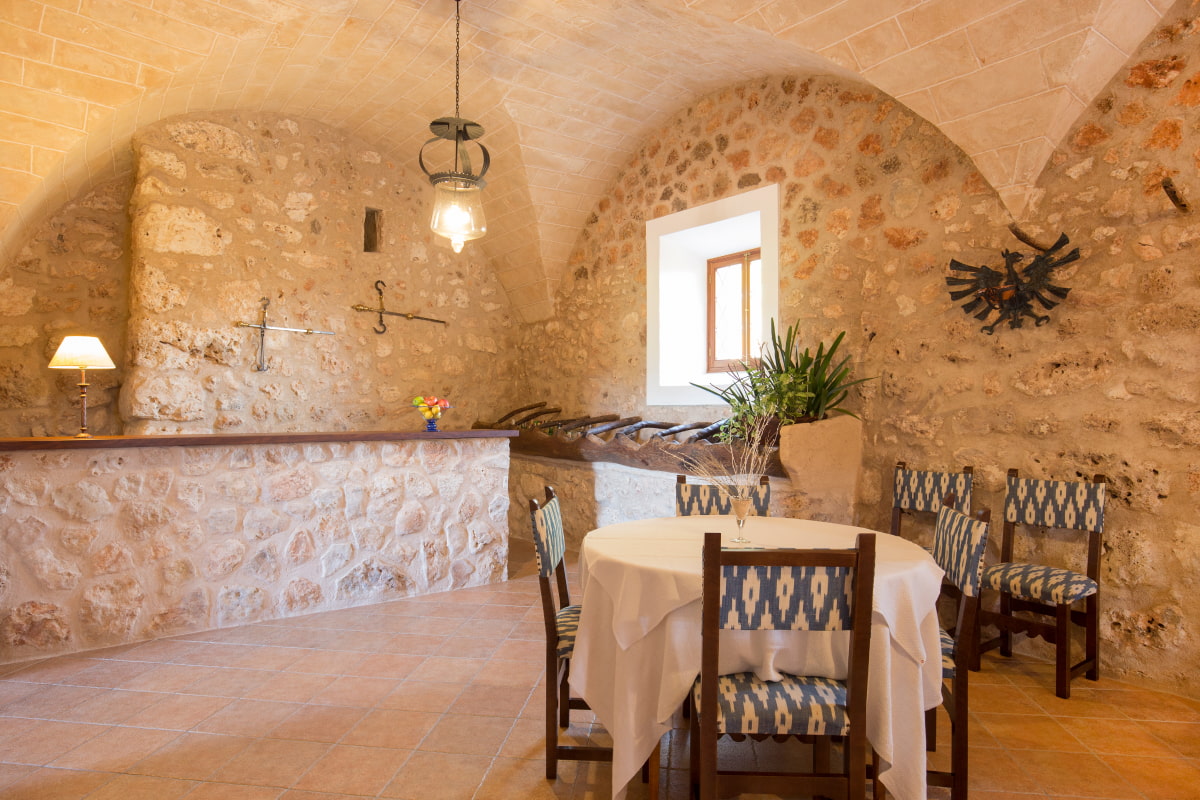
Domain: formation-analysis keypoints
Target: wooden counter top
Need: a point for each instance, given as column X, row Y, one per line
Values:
column 228, row 439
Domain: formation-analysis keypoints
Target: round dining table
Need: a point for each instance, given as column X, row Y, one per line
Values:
column 637, row 650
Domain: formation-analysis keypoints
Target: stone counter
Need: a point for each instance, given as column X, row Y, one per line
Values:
column 113, row 540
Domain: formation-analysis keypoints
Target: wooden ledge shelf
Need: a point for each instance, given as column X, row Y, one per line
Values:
column 234, row 439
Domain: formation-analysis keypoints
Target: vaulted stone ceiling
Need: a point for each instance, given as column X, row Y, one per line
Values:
column 566, row 89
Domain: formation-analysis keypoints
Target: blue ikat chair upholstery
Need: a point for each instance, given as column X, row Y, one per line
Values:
column 562, row 621
column 959, row 545
column 788, row 590
column 917, row 490
column 1044, row 600
column 704, row 498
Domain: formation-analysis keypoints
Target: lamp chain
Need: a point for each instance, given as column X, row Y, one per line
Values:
column 457, row 45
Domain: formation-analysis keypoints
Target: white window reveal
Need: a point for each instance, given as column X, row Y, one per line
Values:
column 678, row 249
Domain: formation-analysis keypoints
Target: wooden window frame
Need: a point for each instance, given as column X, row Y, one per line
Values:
column 744, row 258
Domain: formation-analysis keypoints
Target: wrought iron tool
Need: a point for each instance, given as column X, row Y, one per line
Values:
column 262, row 327
column 382, row 327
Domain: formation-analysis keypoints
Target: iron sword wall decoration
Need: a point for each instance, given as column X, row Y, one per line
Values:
column 262, row 327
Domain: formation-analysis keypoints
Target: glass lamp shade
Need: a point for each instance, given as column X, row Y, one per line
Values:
column 458, row 211
column 81, row 352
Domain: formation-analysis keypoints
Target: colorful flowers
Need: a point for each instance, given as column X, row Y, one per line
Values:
column 431, row 407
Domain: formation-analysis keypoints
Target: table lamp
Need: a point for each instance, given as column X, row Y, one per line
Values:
column 81, row 353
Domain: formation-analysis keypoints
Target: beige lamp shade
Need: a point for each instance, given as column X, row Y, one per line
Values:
column 81, row 352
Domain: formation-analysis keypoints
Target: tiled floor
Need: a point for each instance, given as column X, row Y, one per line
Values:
column 440, row 698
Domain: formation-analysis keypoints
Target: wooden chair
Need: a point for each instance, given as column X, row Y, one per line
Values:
column 959, row 544
column 562, row 621
column 704, row 498
column 925, row 491
column 802, row 590
column 1049, row 594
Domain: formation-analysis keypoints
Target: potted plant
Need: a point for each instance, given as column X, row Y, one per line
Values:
column 800, row 387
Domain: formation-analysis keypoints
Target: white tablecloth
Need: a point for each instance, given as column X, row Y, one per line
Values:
column 637, row 651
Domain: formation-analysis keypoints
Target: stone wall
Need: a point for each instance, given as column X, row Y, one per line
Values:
column 875, row 204
column 100, row 547
column 232, row 208
column 71, row 278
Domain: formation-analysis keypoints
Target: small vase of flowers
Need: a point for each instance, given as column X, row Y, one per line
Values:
column 431, row 409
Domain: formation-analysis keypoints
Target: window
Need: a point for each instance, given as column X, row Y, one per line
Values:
column 678, row 248
column 734, row 282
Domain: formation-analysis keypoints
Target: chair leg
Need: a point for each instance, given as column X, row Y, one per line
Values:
column 931, row 729
column 551, row 719
column 1062, row 651
column 1006, row 613
column 878, row 790
column 1092, row 636
column 564, row 697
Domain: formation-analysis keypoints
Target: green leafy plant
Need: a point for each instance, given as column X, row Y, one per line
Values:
column 788, row 383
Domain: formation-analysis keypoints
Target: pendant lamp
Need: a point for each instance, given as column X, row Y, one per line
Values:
column 458, row 196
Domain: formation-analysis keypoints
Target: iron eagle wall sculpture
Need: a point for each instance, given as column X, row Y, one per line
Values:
column 1011, row 294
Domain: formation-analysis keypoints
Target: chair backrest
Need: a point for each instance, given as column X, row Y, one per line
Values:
column 704, row 498
column 549, row 545
column 789, row 589
column 959, row 543
column 925, row 490
column 548, row 540
column 1067, row 505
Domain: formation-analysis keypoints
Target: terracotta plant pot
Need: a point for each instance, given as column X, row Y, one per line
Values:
column 823, row 461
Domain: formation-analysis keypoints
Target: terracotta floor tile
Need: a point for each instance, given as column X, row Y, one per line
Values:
column 1115, row 737
column 46, row 740
column 1184, row 737
column 1077, row 775
column 142, row 787
column 192, row 755
column 248, row 717
column 515, row 777
column 319, row 723
column 442, row 775
column 1084, row 702
column 52, row 670
column 417, row 644
column 111, row 707
column 352, row 691
column 230, row 682
column 432, row 626
column 116, row 750
column 468, row 735
column 1006, row 699
column 109, row 674
column 439, row 669
column 388, row 727
column 271, row 762
column 519, row 650
column 1029, row 732
column 469, row 647
column 354, row 770
column 386, row 665
column 1152, row 706
column 48, row 702
column 1159, row 778
column 168, row 678
column 506, row 672
column 291, row 687
column 486, row 628
column 334, row 662
column 233, row 791
column 422, row 696
column 178, row 711
column 998, row 771
column 57, row 784
column 487, row 700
